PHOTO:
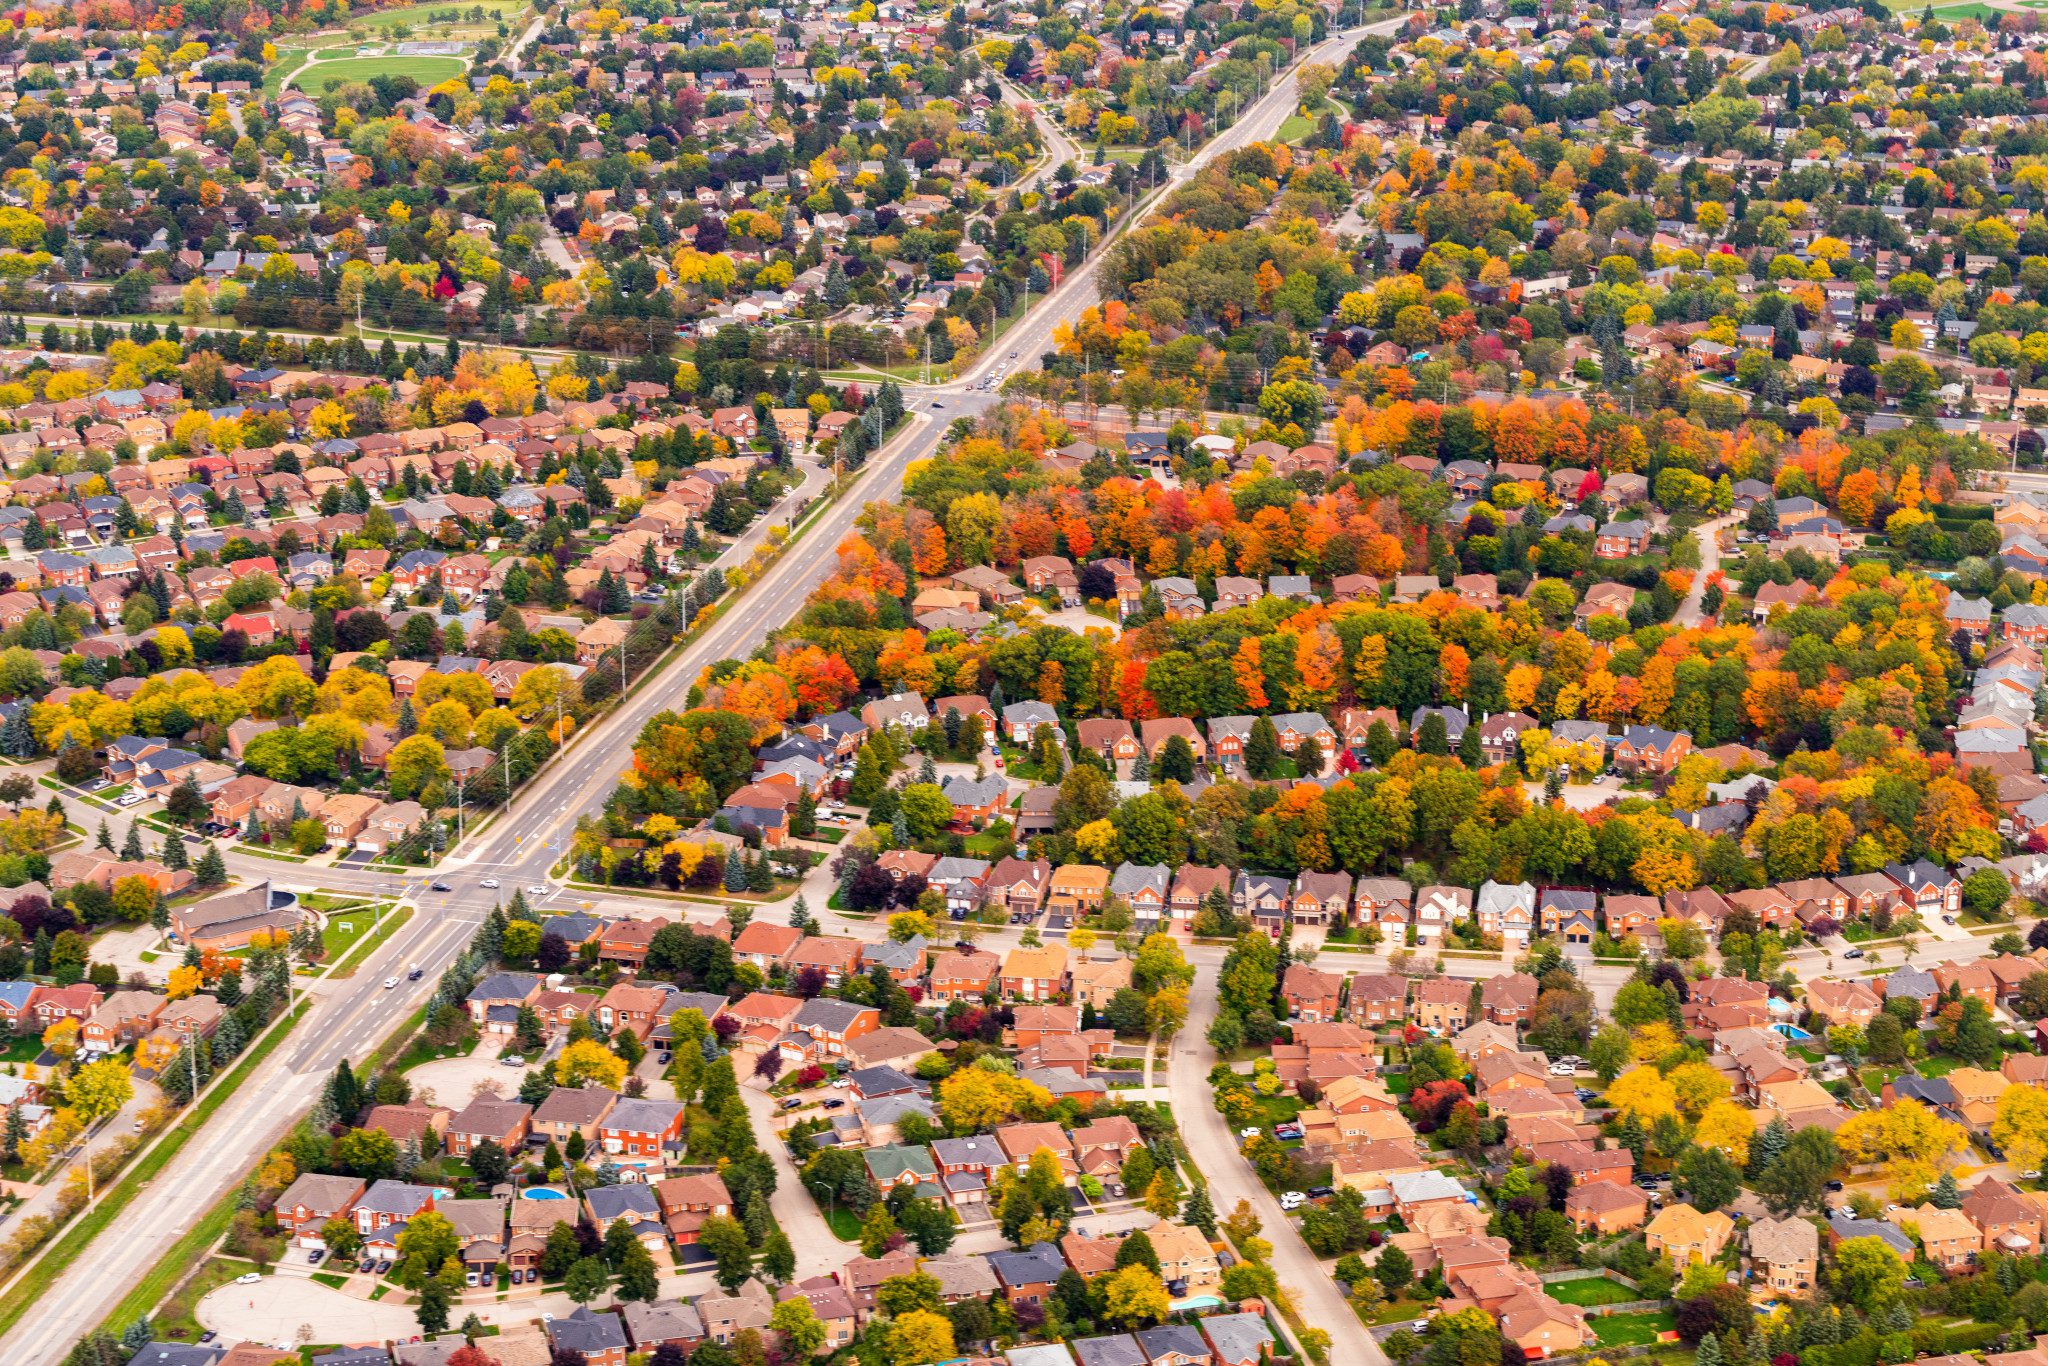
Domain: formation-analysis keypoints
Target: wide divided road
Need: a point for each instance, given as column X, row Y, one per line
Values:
column 520, row 847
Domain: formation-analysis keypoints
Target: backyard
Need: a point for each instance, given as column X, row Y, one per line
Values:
column 1591, row 1290
column 1632, row 1330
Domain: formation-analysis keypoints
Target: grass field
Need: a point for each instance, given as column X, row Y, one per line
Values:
column 368, row 941
column 1984, row 13
column 427, row 71
column 1297, row 127
column 421, row 17
column 1631, row 1330
column 176, row 1322
column 1592, row 1290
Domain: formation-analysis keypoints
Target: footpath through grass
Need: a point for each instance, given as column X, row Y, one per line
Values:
column 37, row 1280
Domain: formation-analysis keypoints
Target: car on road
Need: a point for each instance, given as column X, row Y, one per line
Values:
column 439, row 887
column 414, row 973
column 247, row 1278
column 488, row 882
column 537, row 889
column 1834, row 1185
column 390, row 982
column 1853, row 953
column 513, row 1060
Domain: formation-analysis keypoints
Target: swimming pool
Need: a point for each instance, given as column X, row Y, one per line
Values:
column 542, row 1193
column 1791, row 1031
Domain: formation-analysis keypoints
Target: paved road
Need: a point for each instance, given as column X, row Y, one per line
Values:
column 1708, row 534
column 520, row 847
column 1213, row 1148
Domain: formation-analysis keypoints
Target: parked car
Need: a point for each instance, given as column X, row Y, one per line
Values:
column 1287, row 1132
column 247, row 1278
column 513, row 1060
column 835, row 1105
column 1292, row 1199
column 1249, row 1131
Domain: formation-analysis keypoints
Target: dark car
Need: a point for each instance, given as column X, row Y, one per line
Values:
column 1321, row 1192
column 439, row 887
column 1834, row 1185
column 835, row 1104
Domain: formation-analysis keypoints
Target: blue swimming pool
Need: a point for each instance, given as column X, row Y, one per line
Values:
column 543, row 1193
column 1792, row 1031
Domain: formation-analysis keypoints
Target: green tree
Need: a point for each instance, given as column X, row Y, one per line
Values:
column 725, row 1240
column 799, row 1326
column 426, row 1244
column 586, row 1280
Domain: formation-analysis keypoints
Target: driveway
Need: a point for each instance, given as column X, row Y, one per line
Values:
column 279, row 1311
column 1080, row 621
column 455, row 1082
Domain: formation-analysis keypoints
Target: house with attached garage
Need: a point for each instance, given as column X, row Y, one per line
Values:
column 311, row 1200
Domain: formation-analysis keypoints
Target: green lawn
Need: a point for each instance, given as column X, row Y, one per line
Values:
column 1983, row 13
column 367, row 940
column 1631, row 1330
column 428, row 71
column 845, row 1224
column 176, row 1323
column 421, row 16
column 1939, row 1065
column 1592, row 1290
column 1296, row 127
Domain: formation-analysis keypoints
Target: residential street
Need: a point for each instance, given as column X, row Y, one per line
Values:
column 1213, row 1148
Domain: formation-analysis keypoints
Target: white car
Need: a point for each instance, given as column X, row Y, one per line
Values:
column 840, row 1084
column 538, row 889
column 1560, row 1069
column 249, row 1278
column 390, row 982
column 1251, row 1131
column 488, row 882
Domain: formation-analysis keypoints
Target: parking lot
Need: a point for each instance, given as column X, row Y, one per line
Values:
column 455, row 1082
column 277, row 1310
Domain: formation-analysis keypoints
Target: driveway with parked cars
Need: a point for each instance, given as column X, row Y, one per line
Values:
column 276, row 1309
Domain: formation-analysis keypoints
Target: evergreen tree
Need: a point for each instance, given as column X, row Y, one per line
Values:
column 761, row 876
column 1710, row 1351
column 800, row 915
column 131, row 848
column 212, row 870
column 1946, row 1196
column 174, row 854
column 735, row 871
column 105, row 839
